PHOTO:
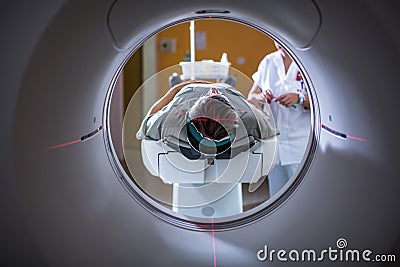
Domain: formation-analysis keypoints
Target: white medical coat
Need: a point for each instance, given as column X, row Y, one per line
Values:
column 293, row 123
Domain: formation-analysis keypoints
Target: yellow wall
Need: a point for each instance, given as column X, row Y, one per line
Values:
column 236, row 39
column 132, row 79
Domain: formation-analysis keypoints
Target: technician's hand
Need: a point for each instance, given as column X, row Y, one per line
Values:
column 288, row 99
column 263, row 97
column 268, row 96
column 259, row 97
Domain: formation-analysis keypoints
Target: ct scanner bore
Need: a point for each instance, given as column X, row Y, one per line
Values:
column 197, row 224
column 75, row 212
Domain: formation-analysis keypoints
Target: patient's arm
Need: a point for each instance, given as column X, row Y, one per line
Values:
column 258, row 97
column 170, row 94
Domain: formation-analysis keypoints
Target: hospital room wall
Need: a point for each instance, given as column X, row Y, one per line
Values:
column 126, row 87
column 245, row 46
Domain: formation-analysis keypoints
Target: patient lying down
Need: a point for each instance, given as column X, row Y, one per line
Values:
column 205, row 118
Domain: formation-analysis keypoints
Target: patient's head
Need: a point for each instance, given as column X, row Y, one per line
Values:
column 212, row 118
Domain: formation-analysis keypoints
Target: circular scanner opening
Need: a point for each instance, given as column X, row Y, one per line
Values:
column 183, row 185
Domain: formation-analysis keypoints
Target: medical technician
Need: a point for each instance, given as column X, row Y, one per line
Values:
column 279, row 84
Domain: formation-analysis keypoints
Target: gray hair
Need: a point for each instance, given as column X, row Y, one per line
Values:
column 213, row 116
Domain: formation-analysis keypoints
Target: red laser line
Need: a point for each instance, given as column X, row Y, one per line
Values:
column 210, row 112
column 64, row 144
column 342, row 135
column 213, row 119
column 213, row 242
column 83, row 138
column 357, row 138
